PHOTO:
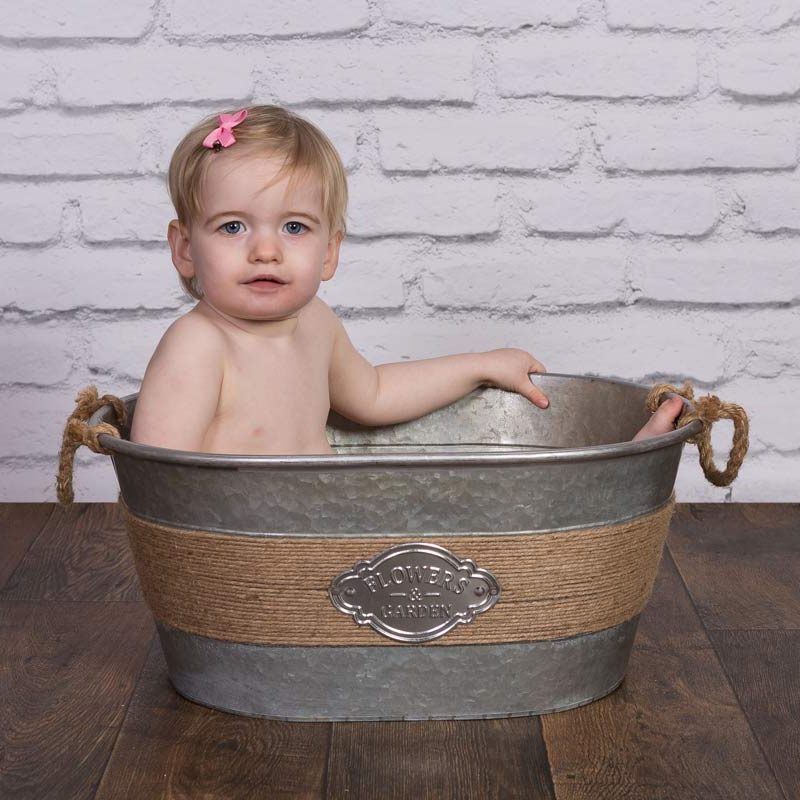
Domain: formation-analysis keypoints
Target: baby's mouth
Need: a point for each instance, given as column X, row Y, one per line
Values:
column 263, row 280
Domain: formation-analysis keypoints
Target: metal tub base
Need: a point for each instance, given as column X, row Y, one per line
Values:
column 338, row 684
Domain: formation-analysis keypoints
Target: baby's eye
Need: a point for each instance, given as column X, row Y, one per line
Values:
column 295, row 227
column 232, row 228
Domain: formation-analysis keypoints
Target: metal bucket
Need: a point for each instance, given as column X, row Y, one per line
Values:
column 489, row 467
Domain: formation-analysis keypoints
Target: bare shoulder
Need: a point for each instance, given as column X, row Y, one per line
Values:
column 321, row 320
column 194, row 324
column 192, row 336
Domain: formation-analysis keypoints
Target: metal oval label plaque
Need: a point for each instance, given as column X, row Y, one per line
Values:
column 414, row 592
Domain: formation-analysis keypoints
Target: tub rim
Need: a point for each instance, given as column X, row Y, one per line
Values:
column 341, row 460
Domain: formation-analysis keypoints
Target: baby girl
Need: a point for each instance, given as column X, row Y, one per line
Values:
column 256, row 365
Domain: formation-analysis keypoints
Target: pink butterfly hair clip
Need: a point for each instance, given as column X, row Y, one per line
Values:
column 223, row 136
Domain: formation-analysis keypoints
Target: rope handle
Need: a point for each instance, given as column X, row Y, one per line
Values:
column 78, row 432
column 708, row 410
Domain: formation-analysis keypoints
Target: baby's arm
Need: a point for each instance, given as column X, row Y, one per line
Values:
column 405, row 390
column 180, row 391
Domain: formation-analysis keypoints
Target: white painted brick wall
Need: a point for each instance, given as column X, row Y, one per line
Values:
column 581, row 65
column 698, row 15
column 612, row 184
column 459, row 140
column 272, row 18
column 761, row 69
column 665, row 139
column 507, row 14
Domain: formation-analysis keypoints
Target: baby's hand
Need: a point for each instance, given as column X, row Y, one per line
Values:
column 508, row 369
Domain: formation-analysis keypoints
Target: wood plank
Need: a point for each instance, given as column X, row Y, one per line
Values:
column 440, row 760
column 82, row 554
column 20, row 524
column 67, row 671
column 673, row 730
column 741, row 563
column 764, row 668
column 169, row 747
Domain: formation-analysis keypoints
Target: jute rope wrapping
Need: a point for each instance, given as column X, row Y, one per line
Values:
column 273, row 591
column 77, row 432
column 709, row 409
column 265, row 590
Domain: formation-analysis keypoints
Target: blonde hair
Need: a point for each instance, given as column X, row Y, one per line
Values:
column 273, row 130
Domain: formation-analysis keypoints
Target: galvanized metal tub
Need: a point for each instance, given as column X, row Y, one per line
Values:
column 491, row 468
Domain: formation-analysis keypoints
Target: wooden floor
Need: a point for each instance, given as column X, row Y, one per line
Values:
column 710, row 707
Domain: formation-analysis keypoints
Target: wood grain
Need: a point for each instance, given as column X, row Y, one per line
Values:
column 741, row 563
column 439, row 760
column 20, row 524
column 692, row 720
column 169, row 747
column 67, row 671
column 81, row 554
column 673, row 730
column 764, row 669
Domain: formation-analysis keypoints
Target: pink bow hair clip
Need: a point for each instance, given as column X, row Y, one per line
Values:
column 223, row 136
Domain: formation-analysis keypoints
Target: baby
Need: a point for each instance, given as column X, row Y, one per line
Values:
column 256, row 365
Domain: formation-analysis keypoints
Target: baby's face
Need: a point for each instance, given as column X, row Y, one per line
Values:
column 262, row 243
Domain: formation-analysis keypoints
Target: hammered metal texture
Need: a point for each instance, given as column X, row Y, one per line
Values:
column 412, row 682
column 419, row 486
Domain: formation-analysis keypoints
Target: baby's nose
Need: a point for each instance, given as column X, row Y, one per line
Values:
column 265, row 247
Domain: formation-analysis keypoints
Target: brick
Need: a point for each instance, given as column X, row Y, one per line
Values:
column 32, row 480
column 60, row 279
column 23, row 480
column 594, row 66
column 636, row 343
column 70, row 146
column 35, row 354
column 32, row 422
column 127, row 76
column 359, row 72
column 30, row 214
column 508, row 14
column 768, row 478
column 30, row 72
column 772, row 410
column 771, row 206
column 370, row 275
column 626, row 342
column 719, row 273
column 422, row 141
column 31, row 476
column 664, row 208
column 687, row 15
column 411, row 336
column 665, row 140
column 121, row 350
column 268, row 19
column 539, row 274
column 132, row 210
column 766, row 344
column 761, row 69
column 437, row 205
column 83, row 19
column 675, row 211
column 342, row 129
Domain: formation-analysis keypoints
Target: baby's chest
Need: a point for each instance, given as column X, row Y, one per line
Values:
column 288, row 380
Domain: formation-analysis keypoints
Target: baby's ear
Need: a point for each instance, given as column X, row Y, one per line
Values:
column 332, row 256
column 178, row 237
